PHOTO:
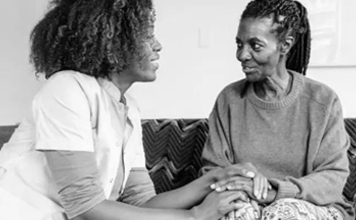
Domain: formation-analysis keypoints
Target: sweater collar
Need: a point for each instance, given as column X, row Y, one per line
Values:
column 297, row 84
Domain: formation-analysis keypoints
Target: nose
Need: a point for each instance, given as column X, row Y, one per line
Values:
column 243, row 54
column 157, row 46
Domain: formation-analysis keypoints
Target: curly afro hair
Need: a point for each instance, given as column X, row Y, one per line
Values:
column 295, row 23
column 94, row 37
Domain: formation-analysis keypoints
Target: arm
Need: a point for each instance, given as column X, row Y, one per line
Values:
column 186, row 196
column 218, row 151
column 139, row 190
column 324, row 183
column 76, row 177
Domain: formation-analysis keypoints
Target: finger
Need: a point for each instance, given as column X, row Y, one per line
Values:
column 256, row 208
column 236, row 181
column 218, row 185
column 246, row 188
column 227, row 183
column 239, row 171
column 223, row 210
column 257, row 185
column 231, row 196
column 265, row 190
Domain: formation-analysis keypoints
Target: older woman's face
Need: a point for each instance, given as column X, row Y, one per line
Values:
column 144, row 70
column 257, row 48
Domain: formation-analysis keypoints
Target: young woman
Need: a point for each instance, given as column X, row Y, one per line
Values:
column 284, row 127
column 78, row 154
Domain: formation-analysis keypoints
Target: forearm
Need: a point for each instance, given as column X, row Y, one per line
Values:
column 184, row 197
column 112, row 210
column 319, row 188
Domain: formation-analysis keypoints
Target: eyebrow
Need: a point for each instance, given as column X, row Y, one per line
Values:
column 253, row 39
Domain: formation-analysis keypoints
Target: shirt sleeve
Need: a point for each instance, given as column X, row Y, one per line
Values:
column 139, row 188
column 62, row 114
column 77, row 179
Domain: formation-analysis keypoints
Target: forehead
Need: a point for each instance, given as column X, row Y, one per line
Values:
column 259, row 28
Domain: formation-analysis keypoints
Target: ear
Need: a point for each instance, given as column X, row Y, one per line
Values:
column 287, row 44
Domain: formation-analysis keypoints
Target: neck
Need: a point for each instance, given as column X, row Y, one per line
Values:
column 121, row 81
column 274, row 87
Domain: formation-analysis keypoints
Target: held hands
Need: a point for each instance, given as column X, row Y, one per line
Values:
column 244, row 177
column 218, row 204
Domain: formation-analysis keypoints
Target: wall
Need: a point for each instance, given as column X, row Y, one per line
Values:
column 18, row 83
column 197, row 60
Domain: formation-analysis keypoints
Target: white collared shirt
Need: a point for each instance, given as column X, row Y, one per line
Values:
column 72, row 112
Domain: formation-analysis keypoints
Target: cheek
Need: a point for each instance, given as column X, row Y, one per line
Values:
column 267, row 59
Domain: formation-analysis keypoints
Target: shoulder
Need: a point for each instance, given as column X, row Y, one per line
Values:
column 319, row 94
column 67, row 86
column 70, row 78
column 232, row 92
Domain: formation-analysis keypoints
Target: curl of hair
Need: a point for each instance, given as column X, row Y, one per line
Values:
column 94, row 37
column 291, row 18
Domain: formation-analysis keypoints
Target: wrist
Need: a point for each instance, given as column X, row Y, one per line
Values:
column 196, row 214
column 208, row 179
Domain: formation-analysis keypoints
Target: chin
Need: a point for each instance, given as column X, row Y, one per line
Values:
column 252, row 78
column 149, row 78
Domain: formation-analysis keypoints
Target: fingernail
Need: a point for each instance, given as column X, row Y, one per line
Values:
column 250, row 174
column 212, row 186
column 218, row 189
column 229, row 187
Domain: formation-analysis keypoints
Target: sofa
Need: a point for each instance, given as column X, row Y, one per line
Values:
column 173, row 150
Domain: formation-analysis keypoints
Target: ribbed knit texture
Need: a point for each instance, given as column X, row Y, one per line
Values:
column 298, row 142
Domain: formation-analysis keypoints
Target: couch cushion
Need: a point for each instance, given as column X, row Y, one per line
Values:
column 173, row 150
column 5, row 133
column 350, row 186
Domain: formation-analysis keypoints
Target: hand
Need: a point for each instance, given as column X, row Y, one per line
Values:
column 216, row 205
column 247, row 212
column 218, row 174
column 260, row 183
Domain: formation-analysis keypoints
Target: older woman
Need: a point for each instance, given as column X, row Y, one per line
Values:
column 78, row 154
column 285, row 128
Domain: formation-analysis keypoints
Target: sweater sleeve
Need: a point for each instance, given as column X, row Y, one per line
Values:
column 217, row 150
column 324, row 184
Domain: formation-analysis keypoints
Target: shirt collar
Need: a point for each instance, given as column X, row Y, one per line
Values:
column 111, row 89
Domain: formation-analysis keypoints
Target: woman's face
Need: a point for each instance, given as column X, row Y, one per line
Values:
column 144, row 69
column 257, row 48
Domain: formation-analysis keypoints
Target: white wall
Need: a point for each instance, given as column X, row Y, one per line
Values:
column 18, row 83
column 197, row 60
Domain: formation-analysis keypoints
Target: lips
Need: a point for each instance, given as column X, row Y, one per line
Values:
column 155, row 58
column 153, row 61
column 248, row 69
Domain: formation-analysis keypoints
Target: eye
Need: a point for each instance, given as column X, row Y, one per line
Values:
column 256, row 46
column 239, row 45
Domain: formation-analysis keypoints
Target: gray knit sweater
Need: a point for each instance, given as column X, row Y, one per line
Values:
column 299, row 143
